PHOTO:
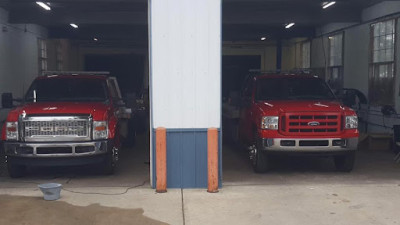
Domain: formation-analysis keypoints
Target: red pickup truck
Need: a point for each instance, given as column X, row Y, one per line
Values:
column 295, row 114
column 66, row 119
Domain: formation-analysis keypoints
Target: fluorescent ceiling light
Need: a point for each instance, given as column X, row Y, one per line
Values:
column 74, row 25
column 43, row 5
column 263, row 38
column 328, row 4
column 289, row 25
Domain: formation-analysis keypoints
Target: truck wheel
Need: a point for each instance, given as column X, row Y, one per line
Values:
column 130, row 140
column 260, row 161
column 108, row 166
column 345, row 163
column 15, row 171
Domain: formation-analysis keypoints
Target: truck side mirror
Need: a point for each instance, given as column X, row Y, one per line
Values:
column 7, row 100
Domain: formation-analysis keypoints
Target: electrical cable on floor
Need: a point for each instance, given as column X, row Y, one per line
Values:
column 98, row 193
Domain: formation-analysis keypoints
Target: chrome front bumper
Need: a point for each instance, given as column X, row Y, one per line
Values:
column 317, row 145
column 61, row 149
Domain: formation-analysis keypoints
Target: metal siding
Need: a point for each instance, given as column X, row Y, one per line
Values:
column 201, row 159
column 174, row 160
column 187, row 159
column 188, row 154
column 186, row 63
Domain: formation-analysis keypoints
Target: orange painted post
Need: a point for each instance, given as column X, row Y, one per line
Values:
column 212, row 137
column 161, row 160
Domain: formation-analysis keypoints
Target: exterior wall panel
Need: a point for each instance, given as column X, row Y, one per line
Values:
column 186, row 63
column 185, row 84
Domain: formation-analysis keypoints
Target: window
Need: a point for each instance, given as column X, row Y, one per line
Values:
column 292, row 89
column 59, row 57
column 42, row 55
column 335, row 70
column 381, row 73
column 67, row 90
column 305, row 55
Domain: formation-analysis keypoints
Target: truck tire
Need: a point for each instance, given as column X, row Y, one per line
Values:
column 108, row 166
column 130, row 140
column 260, row 160
column 396, row 138
column 345, row 163
column 14, row 170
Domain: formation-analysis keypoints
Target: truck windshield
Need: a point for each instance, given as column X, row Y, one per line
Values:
column 293, row 89
column 67, row 90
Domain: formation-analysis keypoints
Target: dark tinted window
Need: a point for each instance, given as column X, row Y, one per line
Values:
column 67, row 90
column 292, row 89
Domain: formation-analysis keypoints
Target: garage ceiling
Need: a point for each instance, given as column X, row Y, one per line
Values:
column 125, row 21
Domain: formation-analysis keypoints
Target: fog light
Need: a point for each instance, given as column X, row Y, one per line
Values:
column 341, row 143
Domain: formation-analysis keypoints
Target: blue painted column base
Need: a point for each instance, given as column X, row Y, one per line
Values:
column 186, row 158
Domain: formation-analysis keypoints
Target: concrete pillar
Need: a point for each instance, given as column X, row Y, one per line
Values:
column 185, row 84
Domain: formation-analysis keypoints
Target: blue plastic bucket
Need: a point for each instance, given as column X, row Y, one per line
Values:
column 51, row 191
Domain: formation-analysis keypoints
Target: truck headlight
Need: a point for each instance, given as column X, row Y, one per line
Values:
column 270, row 122
column 351, row 122
column 12, row 131
column 100, row 130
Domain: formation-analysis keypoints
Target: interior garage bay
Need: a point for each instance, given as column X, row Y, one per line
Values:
column 351, row 45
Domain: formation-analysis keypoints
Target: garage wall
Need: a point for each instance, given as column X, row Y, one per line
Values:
column 19, row 63
column 291, row 54
column 356, row 58
column 267, row 51
column 379, row 10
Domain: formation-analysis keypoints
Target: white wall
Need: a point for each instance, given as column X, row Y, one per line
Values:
column 332, row 27
column 19, row 63
column 185, row 54
column 380, row 10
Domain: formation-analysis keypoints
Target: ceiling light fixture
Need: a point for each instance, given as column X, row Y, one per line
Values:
column 328, row 4
column 44, row 5
column 263, row 38
column 95, row 39
column 74, row 25
column 289, row 25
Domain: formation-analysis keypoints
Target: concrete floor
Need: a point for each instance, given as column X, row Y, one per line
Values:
column 296, row 191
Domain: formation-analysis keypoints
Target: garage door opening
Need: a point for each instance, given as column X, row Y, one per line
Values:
column 101, row 36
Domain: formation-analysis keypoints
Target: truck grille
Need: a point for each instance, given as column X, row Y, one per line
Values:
column 56, row 128
column 311, row 124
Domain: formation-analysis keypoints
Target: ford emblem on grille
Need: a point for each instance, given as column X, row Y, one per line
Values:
column 313, row 123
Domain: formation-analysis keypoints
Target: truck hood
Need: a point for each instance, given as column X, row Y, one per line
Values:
column 97, row 109
column 301, row 106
